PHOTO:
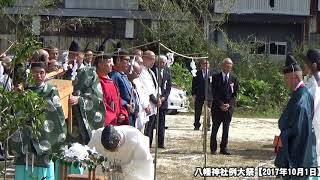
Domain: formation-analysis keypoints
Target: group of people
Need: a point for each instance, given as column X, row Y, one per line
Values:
column 221, row 96
column 116, row 98
column 298, row 144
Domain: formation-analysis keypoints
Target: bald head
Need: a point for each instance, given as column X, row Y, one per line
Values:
column 227, row 65
column 136, row 71
column 139, row 59
column 227, row 60
column 136, row 68
column 40, row 55
column 148, row 53
column 292, row 79
column 149, row 59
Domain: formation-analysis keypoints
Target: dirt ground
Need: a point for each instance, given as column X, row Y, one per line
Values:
column 250, row 143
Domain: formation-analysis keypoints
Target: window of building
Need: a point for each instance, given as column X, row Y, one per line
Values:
column 258, row 47
column 129, row 28
column 278, row 48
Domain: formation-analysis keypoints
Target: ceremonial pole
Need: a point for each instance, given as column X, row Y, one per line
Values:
column 158, row 111
column 205, row 123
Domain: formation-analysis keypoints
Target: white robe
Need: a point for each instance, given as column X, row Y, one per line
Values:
column 315, row 90
column 134, row 154
column 144, row 103
column 147, row 83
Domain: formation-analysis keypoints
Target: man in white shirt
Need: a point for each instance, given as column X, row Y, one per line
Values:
column 149, row 81
column 127, row 145
column 143, row 96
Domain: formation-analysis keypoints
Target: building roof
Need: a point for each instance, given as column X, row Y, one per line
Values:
column 95, row 13
column 267, row 19
column 98, row 13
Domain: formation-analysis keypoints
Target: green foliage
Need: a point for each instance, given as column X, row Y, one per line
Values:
column 181, row 77
column 91, row 162
column 262, row 87
column 251, row 92
column 19, row 109
column 47, row 3
column 23, row 51
column 7, row 3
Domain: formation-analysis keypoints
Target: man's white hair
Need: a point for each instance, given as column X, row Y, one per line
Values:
column 164, row 58
column 227, row 60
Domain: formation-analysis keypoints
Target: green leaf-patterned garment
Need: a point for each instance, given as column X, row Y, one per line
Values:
column 89, row 113
column 52, row 136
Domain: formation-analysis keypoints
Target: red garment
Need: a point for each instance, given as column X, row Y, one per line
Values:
column 112, row 102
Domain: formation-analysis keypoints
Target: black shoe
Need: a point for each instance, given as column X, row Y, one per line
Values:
column 166, row 127
column 162, row 147
column 225, row 153
column 196, row 128
column 213, row 153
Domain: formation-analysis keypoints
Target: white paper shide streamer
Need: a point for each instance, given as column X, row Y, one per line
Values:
column 194, row 68
column 170, row 59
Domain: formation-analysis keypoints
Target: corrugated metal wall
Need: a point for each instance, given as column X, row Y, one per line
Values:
column 289, row 7
column 63, row 42
column 28, row 3
column 102, row 4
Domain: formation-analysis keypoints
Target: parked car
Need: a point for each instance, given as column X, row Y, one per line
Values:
column 177, row 101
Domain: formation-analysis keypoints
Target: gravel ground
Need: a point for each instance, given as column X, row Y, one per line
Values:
column 250, row 143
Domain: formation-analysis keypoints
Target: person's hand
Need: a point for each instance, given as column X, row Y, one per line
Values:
column 159, row 102
column 18, row 88
column 280, row 143
column 148, row 110
column 130, row 108
column 224, row 107
column 70, row 66
column 227, row 106
column 73, row 100
column 121, row 118
column 163, row 99
column 194, row 97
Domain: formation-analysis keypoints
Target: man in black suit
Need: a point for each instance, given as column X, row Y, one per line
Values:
column 198, row 91
column 224, row 91
column 165, row 85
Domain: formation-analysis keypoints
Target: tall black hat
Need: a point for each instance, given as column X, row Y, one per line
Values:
column 118, row 49
column 110, row 138
column 102, row 47
column 75, row 46
column 87, row 47
column 291, row 64
column 313, row 56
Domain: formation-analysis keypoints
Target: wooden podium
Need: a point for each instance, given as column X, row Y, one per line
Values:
column 65, row 89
